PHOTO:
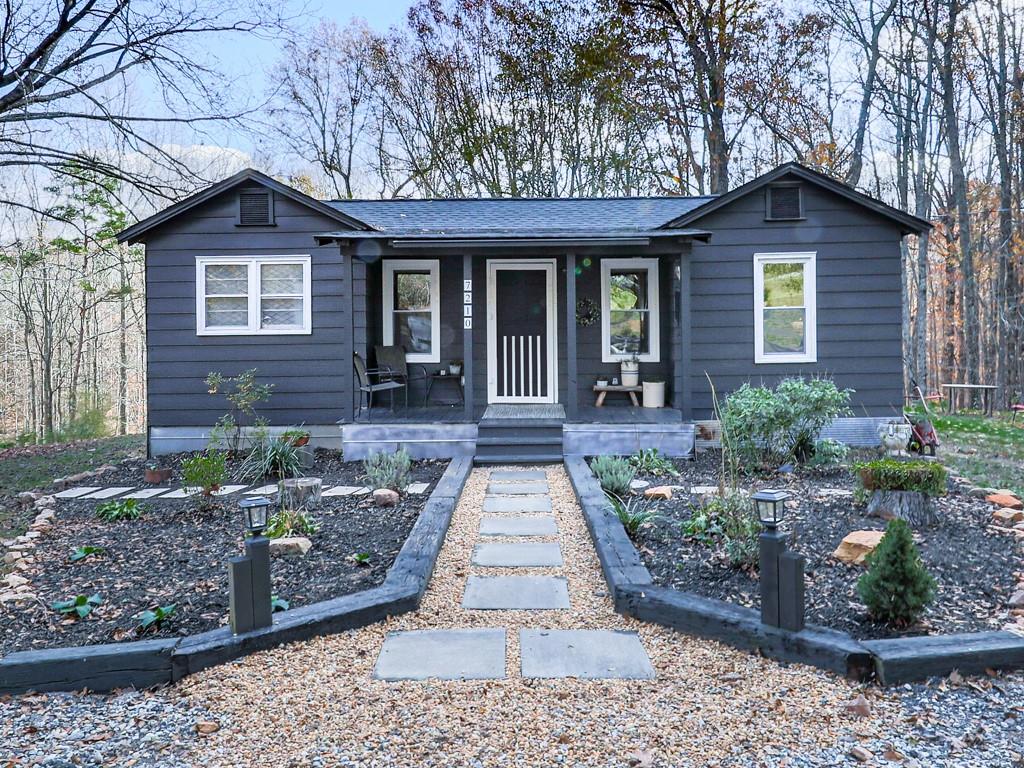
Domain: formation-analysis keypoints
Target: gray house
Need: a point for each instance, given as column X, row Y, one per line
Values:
column 354, row 308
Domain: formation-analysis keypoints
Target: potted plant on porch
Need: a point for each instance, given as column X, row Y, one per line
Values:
column 630, row 371
column 654, row 393
column 455, row 367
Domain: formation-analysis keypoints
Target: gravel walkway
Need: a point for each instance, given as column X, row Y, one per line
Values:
column 315, row 704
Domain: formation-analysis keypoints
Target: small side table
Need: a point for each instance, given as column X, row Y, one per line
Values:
column 434, row 377
column 602, row 392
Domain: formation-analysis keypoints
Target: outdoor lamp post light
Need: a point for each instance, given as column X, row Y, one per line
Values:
column 249, row 575
column 782, row 572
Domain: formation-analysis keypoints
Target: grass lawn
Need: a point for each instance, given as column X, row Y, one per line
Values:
column 35, row 466
column 988, row 451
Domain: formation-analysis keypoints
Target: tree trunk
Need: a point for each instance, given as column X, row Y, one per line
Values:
column 917, row 509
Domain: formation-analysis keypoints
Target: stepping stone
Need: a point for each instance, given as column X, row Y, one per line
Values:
column 74, row 493
column 417, row 488
column 442, row 654
column 182, row 493
column 108, row 493
column 517, row 489
column 519, row 555
column 516, row 593
column 594, row 654
column 498, row 504
column 340, row 490
column 518, row 476
column 360, row 491
column 263, row 490
column 146, row 493
column 227, row 490
column 518, row 525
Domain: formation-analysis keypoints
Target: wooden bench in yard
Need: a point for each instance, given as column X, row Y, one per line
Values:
column 1016, row 408
column 603, row 391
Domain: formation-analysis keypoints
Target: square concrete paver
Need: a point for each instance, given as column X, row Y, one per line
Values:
column 108, row 493
column 518, row 476
column 263, row 490
column 592, row 654
column 517, row 489
column 182, row 493
column 443, row 654
column 516, row 593
column 146, row 493
column 518, row 555
column 74, row 493
column 518, row 525
column 501, row 504
column 227, row 490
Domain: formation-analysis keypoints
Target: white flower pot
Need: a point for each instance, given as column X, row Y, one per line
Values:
column 654, row 394
column 630, row 372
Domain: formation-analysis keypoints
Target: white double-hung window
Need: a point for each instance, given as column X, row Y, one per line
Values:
column 412, row 308
column 243, row 295
column 629, row 310
column 785, row 309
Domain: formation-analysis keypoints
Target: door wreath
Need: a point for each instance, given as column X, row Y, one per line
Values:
column 586, row 312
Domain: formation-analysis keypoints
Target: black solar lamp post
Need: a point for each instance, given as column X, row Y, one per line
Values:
column 782, row 572
column 249, row 574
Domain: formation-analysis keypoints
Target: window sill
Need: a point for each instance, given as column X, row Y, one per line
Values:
column 247, row 332
column 625, row 358
column 784, row 359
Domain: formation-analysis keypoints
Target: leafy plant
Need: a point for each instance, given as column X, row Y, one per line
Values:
column 647, row 461
column 279, row 604
column 81, row 553
column 271, row 458
column 614, row 473
column 89, row 423
column 243, row 394
column 289, row 522
column 896, row 588
column 119, row 509
column 77, row 607
column 388, row 470
column 730, row 522
column 829, row 452
column 928, row 477
column 633, row 513
column 770, row 427
column 206, row 470
column 154, row 617
column 360, row 558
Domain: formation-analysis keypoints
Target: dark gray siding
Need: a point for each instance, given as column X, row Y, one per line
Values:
column 858, row 299
column 306, row 370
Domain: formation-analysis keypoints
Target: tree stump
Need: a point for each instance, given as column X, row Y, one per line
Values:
column 918, row 509
column 301, row 493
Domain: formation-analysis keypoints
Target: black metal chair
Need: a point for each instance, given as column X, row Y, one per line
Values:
column 366, row 387
column 393, row 357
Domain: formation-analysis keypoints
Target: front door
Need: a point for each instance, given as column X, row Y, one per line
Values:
column 521, row 344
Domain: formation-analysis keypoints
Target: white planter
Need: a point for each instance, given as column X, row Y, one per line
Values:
column 654, row 394
column 630, row 372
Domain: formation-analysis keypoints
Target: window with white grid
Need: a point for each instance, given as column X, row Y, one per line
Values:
column 253, row 295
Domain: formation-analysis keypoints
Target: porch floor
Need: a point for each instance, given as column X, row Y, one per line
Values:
column 586, row 414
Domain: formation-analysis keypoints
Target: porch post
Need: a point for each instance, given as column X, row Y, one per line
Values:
column 467, row 337
column 571, row 374
column 347, row 333
column 683, row 367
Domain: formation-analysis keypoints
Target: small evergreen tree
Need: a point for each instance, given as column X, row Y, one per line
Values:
column 896, row 588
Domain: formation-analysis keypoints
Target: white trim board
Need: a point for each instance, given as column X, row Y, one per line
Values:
column 433, row 268
column 653, row 355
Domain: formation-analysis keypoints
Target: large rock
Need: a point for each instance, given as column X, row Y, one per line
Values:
column 14, row 580
column 857, row 546
column 1007, row 517
column 385, row 497
column 1005, row 500
column 1016, row 599
column 290, row 545
column 659, row 492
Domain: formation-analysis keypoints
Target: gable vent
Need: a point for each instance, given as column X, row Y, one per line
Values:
column 784, row 202
column 255, row 208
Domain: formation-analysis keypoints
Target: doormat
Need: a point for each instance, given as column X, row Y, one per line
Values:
column 531, row 411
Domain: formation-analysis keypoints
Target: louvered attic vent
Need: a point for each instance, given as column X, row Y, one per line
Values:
column 784, row 202
column 255, row 207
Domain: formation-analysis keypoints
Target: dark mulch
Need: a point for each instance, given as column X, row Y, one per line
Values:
column 973, row 566
column 177, row 554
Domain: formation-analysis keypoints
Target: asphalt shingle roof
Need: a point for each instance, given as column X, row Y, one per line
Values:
column 518, row 215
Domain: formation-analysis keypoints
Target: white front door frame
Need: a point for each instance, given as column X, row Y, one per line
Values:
column 549, row 267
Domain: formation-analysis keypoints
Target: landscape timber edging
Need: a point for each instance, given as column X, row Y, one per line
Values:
column 148, row 663
column 891, row 662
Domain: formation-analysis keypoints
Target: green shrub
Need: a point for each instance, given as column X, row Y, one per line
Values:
column 89, row 423
column 829, row 452
column 649, row 462
column 290, row 522
column 77, row 607
column 206, row 470
column 730, row 522
column 928, row 477
column 896, row 588
column 243, row 393
column 271, row 457
column 119, row 509
column 388, row 470
column 614, row 473
column 633, row 513
column 81, row 553
column 770, row 427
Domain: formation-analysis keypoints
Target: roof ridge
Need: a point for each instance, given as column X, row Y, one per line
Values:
column 511, row 199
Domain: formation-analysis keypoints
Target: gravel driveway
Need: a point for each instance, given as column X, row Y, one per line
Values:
column 314, row 704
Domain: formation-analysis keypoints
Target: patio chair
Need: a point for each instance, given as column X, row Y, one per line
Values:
column 393, row 358
column 367, row 388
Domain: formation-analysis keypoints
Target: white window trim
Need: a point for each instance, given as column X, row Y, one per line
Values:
column 653, row 297
column 400, row 265
column 252, row 328
column 810, row 353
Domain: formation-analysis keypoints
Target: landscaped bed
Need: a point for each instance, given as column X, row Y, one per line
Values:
column 975, row 568
column 176, row 553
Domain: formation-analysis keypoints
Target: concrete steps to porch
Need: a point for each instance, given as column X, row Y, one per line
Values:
column 519, row 441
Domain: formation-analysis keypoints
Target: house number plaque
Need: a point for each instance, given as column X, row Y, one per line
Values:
column 467, row 305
